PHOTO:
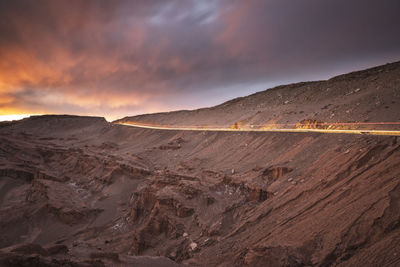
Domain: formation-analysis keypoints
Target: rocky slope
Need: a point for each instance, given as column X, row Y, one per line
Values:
column 371, row 95
column 79, row 191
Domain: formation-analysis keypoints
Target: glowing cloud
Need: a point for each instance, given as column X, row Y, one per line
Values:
column 117, row 58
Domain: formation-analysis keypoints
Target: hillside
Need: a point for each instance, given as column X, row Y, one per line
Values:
column 371, row 95
column 79, row 191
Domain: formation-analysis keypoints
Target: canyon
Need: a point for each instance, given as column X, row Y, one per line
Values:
column 81, row 191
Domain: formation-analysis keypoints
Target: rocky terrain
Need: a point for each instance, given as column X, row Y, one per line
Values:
column 371, row 95
column 79, row 191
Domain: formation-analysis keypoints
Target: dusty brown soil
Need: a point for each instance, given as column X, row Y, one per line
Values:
column 79, row 191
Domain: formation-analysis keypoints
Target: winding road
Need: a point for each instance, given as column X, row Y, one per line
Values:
column 299, row 130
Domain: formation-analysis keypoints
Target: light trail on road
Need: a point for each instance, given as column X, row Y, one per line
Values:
column 298, row 130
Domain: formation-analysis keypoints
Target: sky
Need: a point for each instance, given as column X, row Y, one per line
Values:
column 120, row 58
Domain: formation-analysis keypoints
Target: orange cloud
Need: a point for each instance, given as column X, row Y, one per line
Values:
column 117, row 58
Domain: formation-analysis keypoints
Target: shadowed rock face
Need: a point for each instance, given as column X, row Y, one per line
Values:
column 80, row 191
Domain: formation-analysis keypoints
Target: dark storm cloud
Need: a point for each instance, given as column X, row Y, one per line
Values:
column 116, row 58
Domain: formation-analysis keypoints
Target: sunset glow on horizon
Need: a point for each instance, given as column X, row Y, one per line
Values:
column 120, row 58
column 15, row 117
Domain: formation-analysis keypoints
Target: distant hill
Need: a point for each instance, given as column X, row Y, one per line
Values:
column 363, row 96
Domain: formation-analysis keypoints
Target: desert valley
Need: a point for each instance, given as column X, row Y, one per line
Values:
column 81, row 191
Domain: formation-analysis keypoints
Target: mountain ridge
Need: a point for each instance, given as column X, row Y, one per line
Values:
column 283, row 92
